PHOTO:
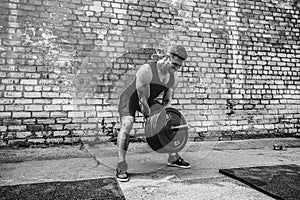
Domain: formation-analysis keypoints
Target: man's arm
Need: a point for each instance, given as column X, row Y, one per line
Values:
column 168, row 95
column 143, row 79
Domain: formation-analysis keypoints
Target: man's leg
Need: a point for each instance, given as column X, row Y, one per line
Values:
column 123, row 143
column 123, row 136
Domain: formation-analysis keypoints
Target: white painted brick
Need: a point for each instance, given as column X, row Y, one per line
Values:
column 40, row 114
column 21, row 114
column 23, row 134
column 33, row 107
column 76, row 114
column 17, row 128
column 28, row 82
column 32, row 94
column 60, row 133
column 52, row 107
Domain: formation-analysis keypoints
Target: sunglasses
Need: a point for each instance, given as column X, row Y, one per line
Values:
column 176, row 65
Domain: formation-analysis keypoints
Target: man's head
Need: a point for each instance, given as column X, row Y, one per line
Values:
column 179, row 51
column 176, row 55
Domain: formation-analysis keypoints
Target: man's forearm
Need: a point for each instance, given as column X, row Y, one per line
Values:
column 168, row 98
column 143, row 95
column 167, row 102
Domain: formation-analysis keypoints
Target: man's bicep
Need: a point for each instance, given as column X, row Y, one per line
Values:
column 168, row 95
column 176, row 81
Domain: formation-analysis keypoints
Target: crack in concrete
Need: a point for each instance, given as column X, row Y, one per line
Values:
column 98, row 162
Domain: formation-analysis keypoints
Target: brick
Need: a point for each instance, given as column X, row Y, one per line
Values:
column 14, row 107
column 42, row 134
column 4, row 101
column 189, row 107
column 17, row 128
column 35, row 2
column 5, row 114
column 76, row 114
column 36, row 141
column 54, row 127
column 52, row 107
column 33, row 108
column 23, row 134
column 72, row 140
column 58, row 114
column 3, row 128
column 88, row 126
column 54, row 140
column 207, row 123
column 90, row 114
column 32, row 94
column 40, row 114
column 104, row 114
column 21, row 114
column 63, row 120
column 79, row 120
column 60, row 133
column 60, row 101
column 8, row 121
column 69, row 107
column 28, row 88
column 13, row 94
column 50, row 94
column 87, row 108
column 78, row 133
column 42, row 101
column 23, row 101
column 71, row 126
column 120, row 11
column 28, row 82
column 45, row 121
column 35, row 128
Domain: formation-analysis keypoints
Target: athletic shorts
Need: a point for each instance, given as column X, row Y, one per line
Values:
column 128, row 105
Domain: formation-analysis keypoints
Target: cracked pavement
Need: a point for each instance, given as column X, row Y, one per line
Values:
column 151, row 178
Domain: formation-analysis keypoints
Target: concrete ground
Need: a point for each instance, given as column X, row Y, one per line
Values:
column 150, row 176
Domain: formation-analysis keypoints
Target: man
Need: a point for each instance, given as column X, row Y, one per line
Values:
column 150, row 81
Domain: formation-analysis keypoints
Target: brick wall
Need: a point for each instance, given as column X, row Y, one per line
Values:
column 63, row 64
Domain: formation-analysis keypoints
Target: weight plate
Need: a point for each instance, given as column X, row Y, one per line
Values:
column 159, row 135
column 173, row 140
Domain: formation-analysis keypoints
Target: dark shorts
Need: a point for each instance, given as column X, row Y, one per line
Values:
column 128, row 105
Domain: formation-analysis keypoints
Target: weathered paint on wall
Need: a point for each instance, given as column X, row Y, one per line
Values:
column 64, row 63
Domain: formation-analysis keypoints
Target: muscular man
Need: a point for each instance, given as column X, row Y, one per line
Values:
column 150, row 81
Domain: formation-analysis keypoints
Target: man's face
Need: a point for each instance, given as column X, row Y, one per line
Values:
column 174, row 62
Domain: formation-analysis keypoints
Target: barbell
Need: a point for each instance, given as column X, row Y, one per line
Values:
column 166, row 130
column 179, row 127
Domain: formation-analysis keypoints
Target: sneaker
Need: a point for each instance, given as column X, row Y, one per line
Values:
column 179, row 163
column 122, row 174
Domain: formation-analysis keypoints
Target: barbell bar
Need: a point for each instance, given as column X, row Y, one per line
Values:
column 179, row 127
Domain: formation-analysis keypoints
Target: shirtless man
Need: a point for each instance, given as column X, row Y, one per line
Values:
column 150, row 81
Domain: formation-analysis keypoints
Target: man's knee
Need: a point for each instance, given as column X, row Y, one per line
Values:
column 126, row 124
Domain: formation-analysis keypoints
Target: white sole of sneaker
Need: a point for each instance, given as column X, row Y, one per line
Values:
column 123, row 180
column 183, row 167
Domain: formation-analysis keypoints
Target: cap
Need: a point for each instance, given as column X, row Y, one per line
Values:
column 179, row 51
